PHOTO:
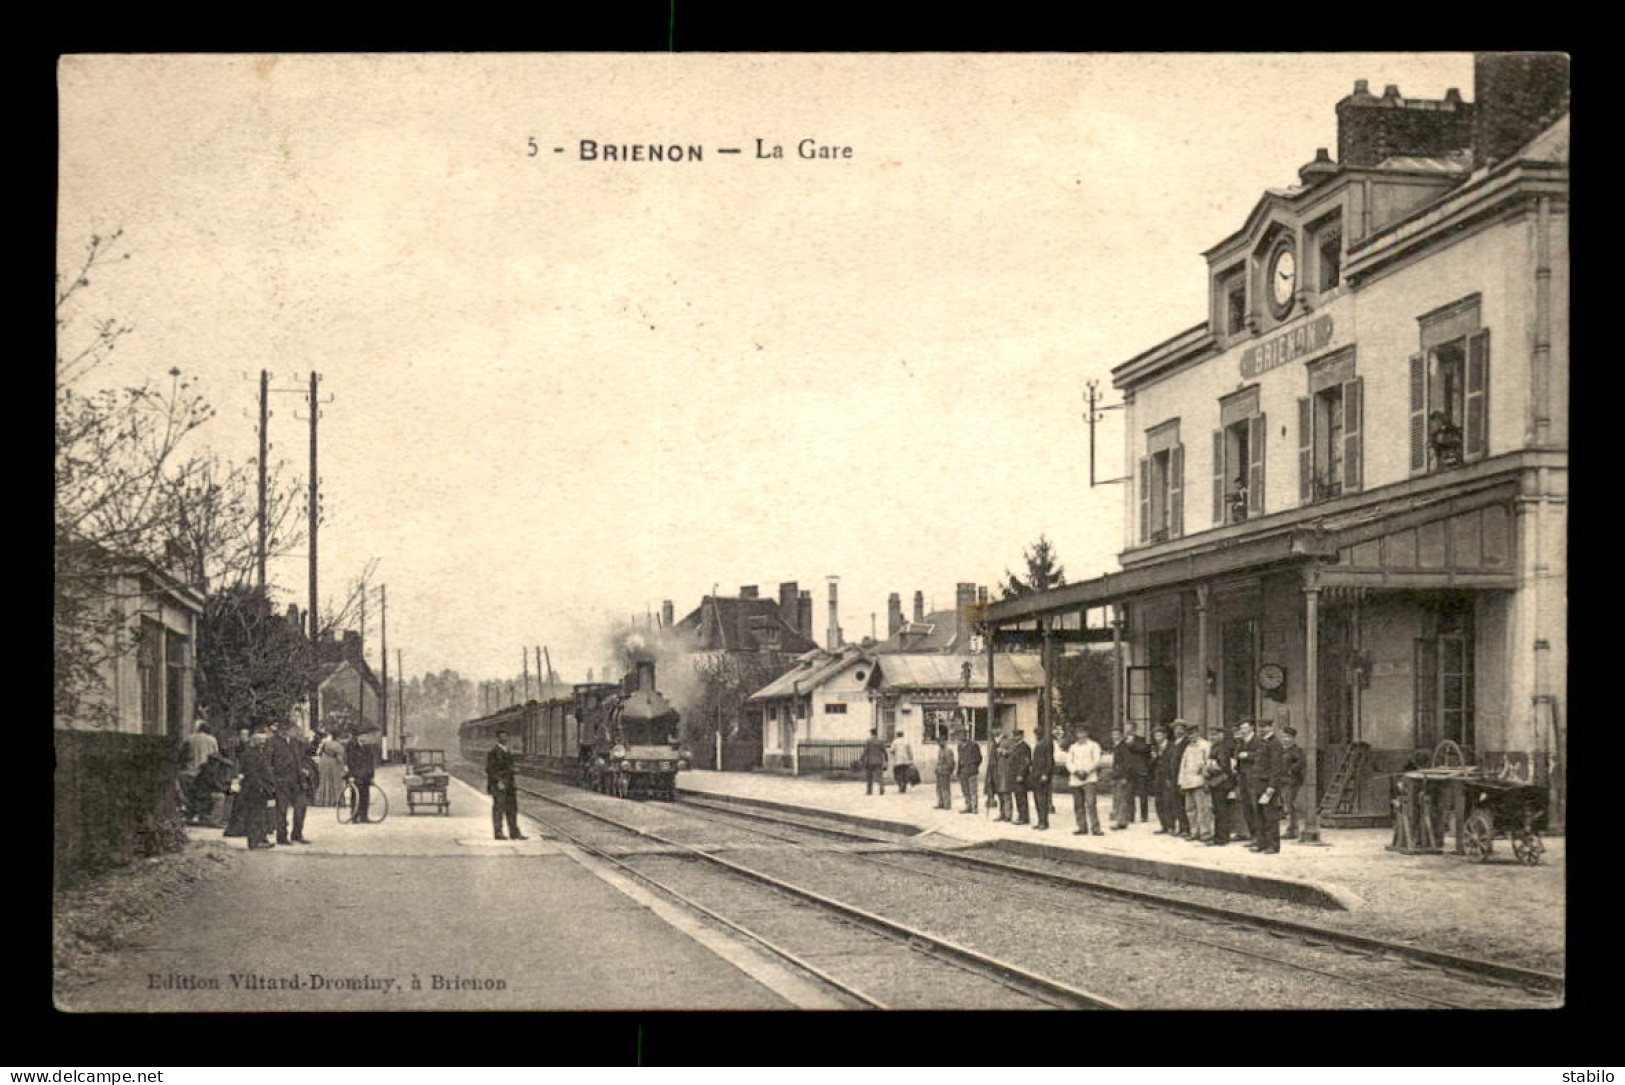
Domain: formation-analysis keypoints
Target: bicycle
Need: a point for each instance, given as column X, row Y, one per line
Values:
column 377, row 803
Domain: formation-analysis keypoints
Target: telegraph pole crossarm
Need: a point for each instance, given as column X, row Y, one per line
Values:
column 1092, row 416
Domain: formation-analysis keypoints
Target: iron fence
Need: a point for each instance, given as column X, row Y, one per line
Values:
column 828, row 758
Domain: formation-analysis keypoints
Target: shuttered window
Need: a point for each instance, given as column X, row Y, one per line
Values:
column 1306, row 451
column 1255, row 467
column 1162, row 484
column 1353, row 405
column 1478, row 389
column 1176, row 491
column 1419, row 406
column 1145, row 500
column 1449, row 388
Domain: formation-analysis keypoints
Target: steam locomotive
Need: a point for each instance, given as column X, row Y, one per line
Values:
column 619, row 738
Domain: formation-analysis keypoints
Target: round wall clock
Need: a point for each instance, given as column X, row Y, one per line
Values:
column 1271, row 677
column 1283, row 274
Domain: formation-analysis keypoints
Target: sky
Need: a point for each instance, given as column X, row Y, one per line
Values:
column 560, row 391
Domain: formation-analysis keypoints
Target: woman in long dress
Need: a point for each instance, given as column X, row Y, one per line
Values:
column 330, row 787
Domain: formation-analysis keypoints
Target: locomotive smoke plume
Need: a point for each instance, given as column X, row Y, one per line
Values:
column 672, row 654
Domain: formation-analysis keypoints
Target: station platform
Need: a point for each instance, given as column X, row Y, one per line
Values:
column 1351, row 870
column 465, row 829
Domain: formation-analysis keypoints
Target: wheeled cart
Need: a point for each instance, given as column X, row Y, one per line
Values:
column 426, row 781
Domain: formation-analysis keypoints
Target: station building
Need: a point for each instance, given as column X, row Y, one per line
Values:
column 1348, row 502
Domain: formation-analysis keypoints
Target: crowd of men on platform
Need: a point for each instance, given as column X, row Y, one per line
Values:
column 252, row 780
column 1240, row 785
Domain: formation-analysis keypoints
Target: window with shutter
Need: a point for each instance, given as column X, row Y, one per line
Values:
column 1478, row 387
column 1353, row 399
column 1306, row 452
column 1218, row 476
column 1176, row 491
column 1145, row 500
column 1419, row 449
column 1450, row 394
column 1255, row 468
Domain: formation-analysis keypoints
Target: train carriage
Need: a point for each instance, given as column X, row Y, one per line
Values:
column 619, row 738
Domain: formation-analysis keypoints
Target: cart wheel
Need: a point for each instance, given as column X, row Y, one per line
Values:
column 1448, row 753
column 1479, row 834
column 1527, row 847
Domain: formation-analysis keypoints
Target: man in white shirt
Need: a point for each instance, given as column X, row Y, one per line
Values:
column 200, row 746
column 1193, row 786
column 1083, row 768
column 901, row 756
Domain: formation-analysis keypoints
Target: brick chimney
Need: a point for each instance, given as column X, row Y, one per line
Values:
column 1370, row 129
column 964, row 597
column 919, row 606
column 1516, row 95
column 748, row 591
column 667, row 612
column 789, row 609
column 834, row 640
column 894, row 614
column 804, row 614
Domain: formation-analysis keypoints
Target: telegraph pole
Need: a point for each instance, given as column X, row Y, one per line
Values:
column 400, row 697
column 525, row 664
column 383, row 648
column 1092, row 416
column 265, row 451
column 314, row 516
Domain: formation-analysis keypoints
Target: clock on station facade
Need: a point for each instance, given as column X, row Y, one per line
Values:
column 1283, row 277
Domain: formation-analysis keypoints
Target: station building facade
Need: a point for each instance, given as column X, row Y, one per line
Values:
column 1348, row 502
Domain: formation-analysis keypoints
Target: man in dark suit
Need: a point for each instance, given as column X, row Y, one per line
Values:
column 1269, row 777
column 1293, row 762
column 1221, row 788
column 1246, row 798
column 258, row 788
column 287, row 750
column 970, row 764
column 873, row 762
column 1041, row 775
column 1020, row 764
column 359, row 764
column 499, row 781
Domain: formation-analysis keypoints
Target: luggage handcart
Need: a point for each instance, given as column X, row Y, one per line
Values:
column 426, row 781
column 1479, row 806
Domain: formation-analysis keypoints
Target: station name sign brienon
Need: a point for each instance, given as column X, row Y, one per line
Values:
column 1303, row 340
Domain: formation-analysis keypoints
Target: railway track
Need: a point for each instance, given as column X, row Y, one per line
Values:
column 872, row 961
column 1429, row 977
column 908, row 895
column 1537, row 984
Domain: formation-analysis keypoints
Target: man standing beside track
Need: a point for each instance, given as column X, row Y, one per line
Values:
column 873, row 762
column 1041, row 777
column 970, row 766
column 359, row 764
column 499, row 781
column 1269, row 770
column 945, row 771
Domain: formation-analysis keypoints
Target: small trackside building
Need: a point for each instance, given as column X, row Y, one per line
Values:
column 818, row 712
column 1349, row 491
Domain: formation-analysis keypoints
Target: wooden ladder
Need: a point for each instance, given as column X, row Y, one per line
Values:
column 1342, row 794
